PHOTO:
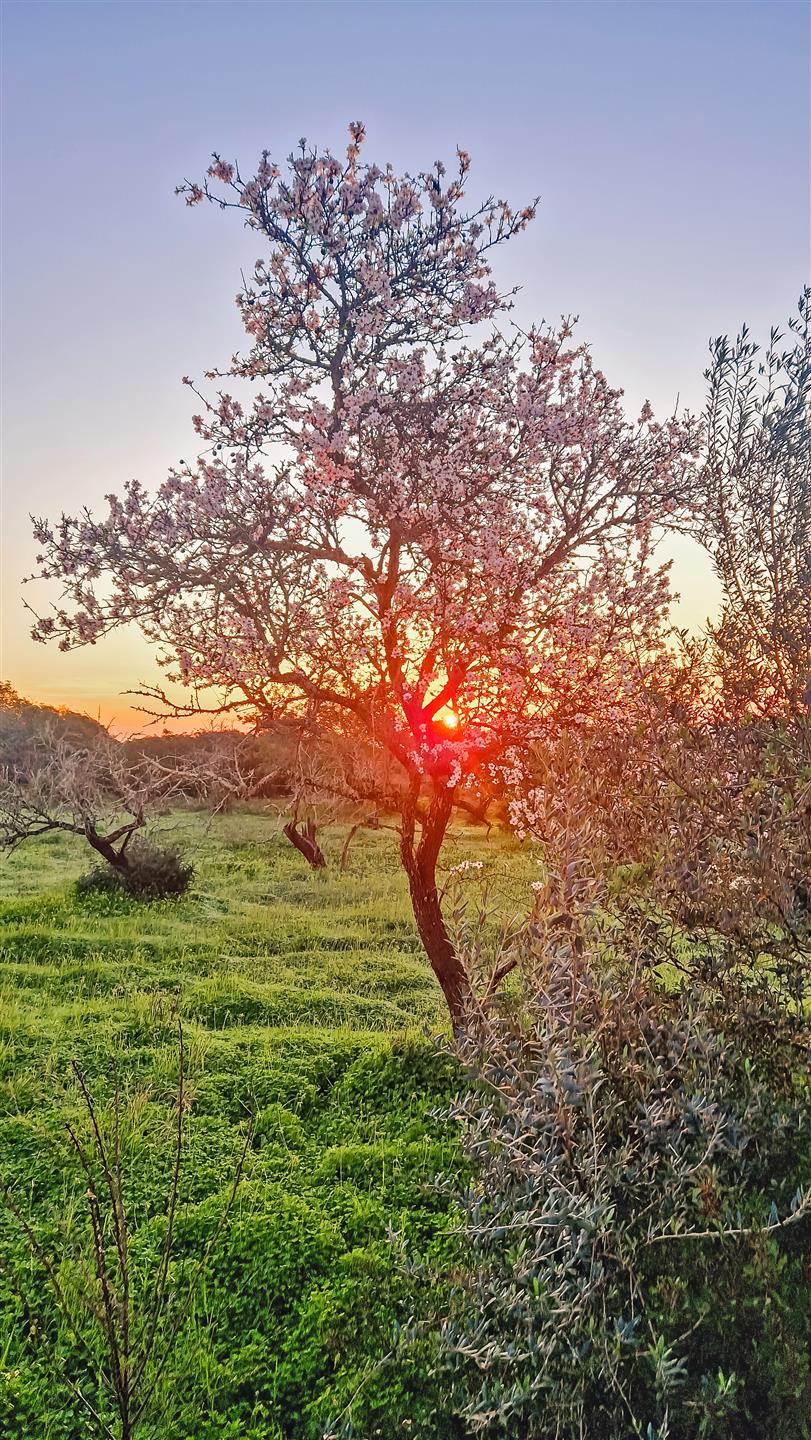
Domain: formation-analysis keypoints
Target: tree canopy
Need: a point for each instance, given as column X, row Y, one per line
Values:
column 422, row 523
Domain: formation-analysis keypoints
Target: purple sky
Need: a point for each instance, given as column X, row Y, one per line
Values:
column 669, row 142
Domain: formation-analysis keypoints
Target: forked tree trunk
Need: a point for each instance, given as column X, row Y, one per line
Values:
column 420, row 862
column 306, row 843
column 116, row 858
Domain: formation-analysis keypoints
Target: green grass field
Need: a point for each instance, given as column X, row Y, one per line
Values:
column 306, row 1000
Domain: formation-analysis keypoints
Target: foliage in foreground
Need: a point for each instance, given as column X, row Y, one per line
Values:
column 640, row 1127
column 296, row 994
column 637, row 1227
column 122, row 1316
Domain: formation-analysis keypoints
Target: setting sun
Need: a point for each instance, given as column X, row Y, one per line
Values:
column 449, row 720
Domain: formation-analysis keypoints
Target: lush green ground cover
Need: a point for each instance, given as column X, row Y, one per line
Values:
column 306, row 1000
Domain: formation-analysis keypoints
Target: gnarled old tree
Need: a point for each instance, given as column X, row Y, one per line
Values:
column 424, row 536
column 100, row 789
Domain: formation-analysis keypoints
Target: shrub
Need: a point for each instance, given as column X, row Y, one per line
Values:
column 152, row 873
column 635, row 1227
column 100, row 880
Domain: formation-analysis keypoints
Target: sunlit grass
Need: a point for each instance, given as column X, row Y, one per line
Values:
column 306, row 1000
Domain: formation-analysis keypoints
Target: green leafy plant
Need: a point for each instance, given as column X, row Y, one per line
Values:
column 636, row 1227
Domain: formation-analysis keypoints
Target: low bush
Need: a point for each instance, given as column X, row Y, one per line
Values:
column 152, row 873
column 637, row 1227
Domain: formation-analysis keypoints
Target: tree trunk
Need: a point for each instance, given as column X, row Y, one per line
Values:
column 445, row 963
column 306, row 843
column 116, row 858
column 370, row 823
column 347, row 842
column 420, row 863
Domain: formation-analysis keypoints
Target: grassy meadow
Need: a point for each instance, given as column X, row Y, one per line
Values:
column 307, row 1002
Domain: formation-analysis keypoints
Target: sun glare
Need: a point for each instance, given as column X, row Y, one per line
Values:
column 449, row 720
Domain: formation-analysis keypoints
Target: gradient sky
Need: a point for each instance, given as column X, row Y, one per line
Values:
column 669, row 142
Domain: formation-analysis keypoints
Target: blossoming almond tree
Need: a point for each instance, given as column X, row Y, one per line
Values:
column 423, row 539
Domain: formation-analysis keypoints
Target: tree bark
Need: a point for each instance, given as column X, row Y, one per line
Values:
column 116, row 858
column 348, row 841
column 306, row 843
column 420, row 862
